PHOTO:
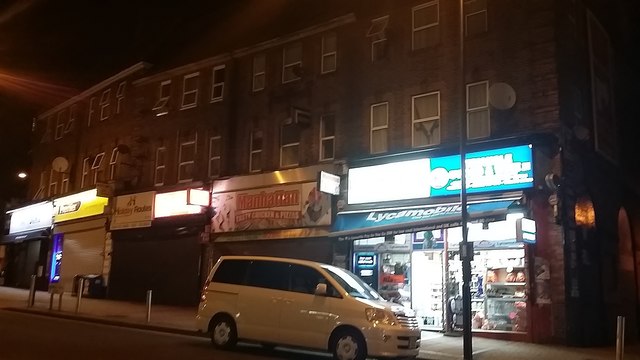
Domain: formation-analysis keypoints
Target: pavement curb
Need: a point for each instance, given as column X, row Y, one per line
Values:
column 103, row 321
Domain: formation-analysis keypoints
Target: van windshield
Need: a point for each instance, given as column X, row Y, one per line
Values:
column 352, row 284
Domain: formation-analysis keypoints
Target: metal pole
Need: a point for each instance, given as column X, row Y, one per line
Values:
column 149, row 293
column 465, row 253
column 79, row 297
column 32, row 291
column 51, row 301
column 60, row 302
column 620, row 338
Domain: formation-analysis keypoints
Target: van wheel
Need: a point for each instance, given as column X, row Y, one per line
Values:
column 348, row 345
column 223, row 332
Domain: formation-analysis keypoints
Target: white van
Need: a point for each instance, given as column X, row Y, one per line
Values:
column 276, row 301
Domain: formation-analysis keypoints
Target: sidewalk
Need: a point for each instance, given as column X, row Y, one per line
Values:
column 182, row 321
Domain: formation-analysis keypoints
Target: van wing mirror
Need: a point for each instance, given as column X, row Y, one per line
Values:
column 321, row 289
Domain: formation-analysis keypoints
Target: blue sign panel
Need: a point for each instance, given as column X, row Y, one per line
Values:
column 56, row 258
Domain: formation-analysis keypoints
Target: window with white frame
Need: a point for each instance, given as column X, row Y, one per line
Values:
column 164, row 93
column 329, row 53
column 478, row 119
column 217, row 87
column 73, row 114
column 291, row 62
column 92, row 111
column 426, row 19
column 40, row 192
column 186, row 160
column 215, row 155
column 161, row 165
column 378, row 35
column 255, row 151
column 60, row 124
column 86, row 168
column 190, row 91
column 96, row 167
column 53, row 183
column 105, row 101
column 289, row 144
column 64, row 184
column 327, row 136
column 425, row 119
column 379, row 127
column 259, row 72
column 120, row 96
column 475, row 17
column 113, row 163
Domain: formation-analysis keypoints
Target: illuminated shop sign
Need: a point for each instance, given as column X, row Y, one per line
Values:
column 33, row 217
column 366, row 260
column 56, row 258
column 329, row 183
column 175, row 203
column 133, row 211
column 526, row 230
column 501, row 169
column 76, row 206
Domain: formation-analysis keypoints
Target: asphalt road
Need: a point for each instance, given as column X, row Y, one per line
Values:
column 26, row 337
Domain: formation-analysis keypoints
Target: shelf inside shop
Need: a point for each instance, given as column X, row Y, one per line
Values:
column 507, row 283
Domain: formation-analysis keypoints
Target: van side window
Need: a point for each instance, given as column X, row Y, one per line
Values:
column 231, row 272
column 304, row 279
column 268, row 274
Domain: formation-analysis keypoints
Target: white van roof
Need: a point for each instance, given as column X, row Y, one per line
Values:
column 271, row 258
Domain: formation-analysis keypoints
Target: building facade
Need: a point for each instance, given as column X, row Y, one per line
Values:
column 220, row 154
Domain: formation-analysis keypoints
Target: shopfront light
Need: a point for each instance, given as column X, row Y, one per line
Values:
column 585, row 215
column 380, row 316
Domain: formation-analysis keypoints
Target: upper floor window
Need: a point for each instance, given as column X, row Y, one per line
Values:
column 291, row 63
column 113, row 163
column 96, row 167
column 217, row 87
column 53, row 183
column 259, row 72
column 105, row 101
column 164, row 93
column 478, row 119
column 475, row 17
column 187, row 160
column 378, row 35
column 92, row 111
column 255, row 151
column 40, row 192
column 161, row 164
column 425, row 119
column 61, row 122
column 190, row 91
column 327, row 137
column 379, row 127
column 120, row 96
column 289, row 144
column 426, row 19
column 86, row 168
column 329, row 53
column 215, row 155
column 64, row 185
column 73, row 114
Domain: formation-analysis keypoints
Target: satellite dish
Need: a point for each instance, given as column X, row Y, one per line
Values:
column 502, row 96
column 123, row 149
column 60, row 164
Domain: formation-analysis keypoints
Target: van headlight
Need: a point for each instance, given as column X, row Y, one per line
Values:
column 380, row 316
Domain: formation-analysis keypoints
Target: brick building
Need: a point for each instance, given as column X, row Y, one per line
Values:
column 251, row 119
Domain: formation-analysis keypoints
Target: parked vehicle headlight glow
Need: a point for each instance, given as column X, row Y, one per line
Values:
column 380, row 316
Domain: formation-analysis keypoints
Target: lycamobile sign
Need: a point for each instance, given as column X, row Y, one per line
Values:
column 501, row 169
column 413, row 214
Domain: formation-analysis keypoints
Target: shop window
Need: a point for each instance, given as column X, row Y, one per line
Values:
column 120, row 96
column 259, row 72
column 86, row 168
column 105, row 105
column 327, row 137
column 215, row 155
column 186, row 162
column 190, row 91
column 329, row 53
column 379, row 127
column 291, row 63
column 426, row 119
column 475, row 17
column 159, row 173
column 378, row 35
column 478, row 119
column 289, row 144
column 426, row 29
column 217, row 87
column 113, row 163
column 255, row 151
column 161, row 107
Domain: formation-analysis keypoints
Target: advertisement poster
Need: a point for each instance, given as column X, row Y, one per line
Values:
column 133, row 211
column 277, row 207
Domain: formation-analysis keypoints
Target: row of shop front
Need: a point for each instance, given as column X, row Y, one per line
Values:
column 395, row 222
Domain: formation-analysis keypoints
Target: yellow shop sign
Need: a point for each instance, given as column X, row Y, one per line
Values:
column 77, row 206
